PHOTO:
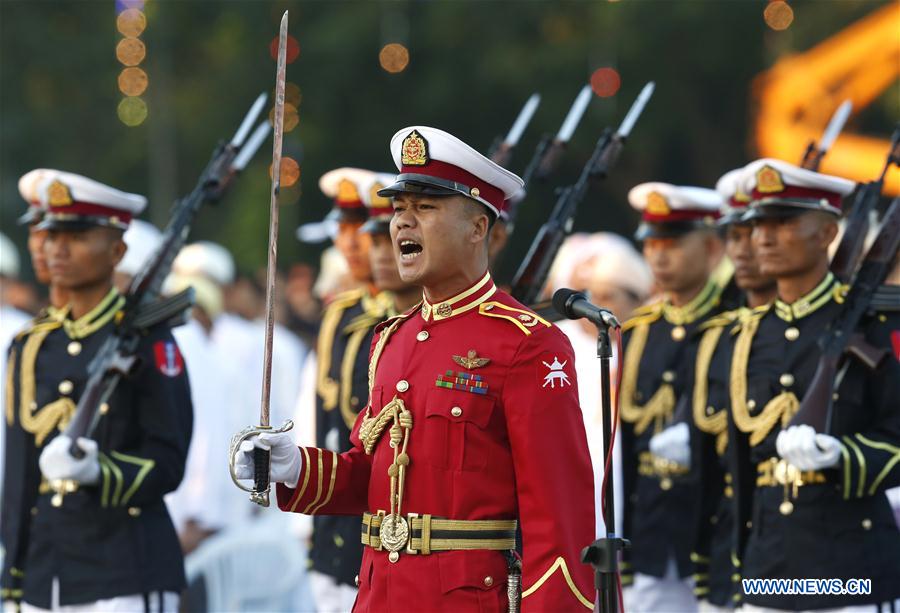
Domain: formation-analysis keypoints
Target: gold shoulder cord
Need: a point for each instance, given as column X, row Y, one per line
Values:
column 56, row 414
column 326, row 387
column 716, row 423
column 10, row 401
column 660, row 407
column 347, row 366
column 782, row 407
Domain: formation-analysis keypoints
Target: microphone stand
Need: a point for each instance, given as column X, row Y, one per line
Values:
column 603, row 553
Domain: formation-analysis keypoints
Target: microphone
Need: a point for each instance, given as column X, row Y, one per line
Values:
column 575, row 305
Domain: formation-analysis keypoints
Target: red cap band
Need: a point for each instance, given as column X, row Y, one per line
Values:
column 449, row 172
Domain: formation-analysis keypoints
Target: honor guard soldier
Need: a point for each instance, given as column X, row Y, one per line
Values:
column 472, row 429
column 701, row 435
column 819, row 506
column 342, row 354
column 109, row 544
column 680, row 243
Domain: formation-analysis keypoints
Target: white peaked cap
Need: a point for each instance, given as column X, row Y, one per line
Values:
column 143, row 240
column 207, row 259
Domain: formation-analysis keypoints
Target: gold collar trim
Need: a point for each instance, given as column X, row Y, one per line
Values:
column 702, row 304
column 813, row 301
column 459, row 304
column 96, row 318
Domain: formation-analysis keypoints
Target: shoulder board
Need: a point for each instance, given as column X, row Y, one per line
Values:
column 644, row 315
column 722, row 319
column 381, row 326
column 524, row 320
column 347, row 298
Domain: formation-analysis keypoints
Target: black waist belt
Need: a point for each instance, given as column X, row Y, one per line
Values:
column 427, row 533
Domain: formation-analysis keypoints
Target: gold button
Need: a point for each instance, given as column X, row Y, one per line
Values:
column 74, row 348
column 786, row 380
column 792, row 333
column 356, row 580
column 867, row 524
column 710, row 410
column 751, row 404
column 34, row 511
column 354, row 401
column 444, row 309
column 456, row 411
column 749, row 525
column 134, row 511
column 835, row 396
column 882, row 317
column 402, row 385
column 714, row 519
column 66, row 387
column 422, row 336
column 666, row 484
column 104, row 408
column 475, row 192
column 489, row 581
column 668, row 376
column 393, row 557
column 678, row 333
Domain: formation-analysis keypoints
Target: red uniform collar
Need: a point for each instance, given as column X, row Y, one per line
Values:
column 464, row 301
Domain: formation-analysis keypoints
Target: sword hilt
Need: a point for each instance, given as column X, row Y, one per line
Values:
column 259, row 493
column 261, row 463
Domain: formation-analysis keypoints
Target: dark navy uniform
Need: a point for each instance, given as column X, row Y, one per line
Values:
column 660, row 497
column 114, row 538
column 345, row 338
column 839, row 523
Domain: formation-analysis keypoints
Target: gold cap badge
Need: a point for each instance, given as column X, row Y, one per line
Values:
column 58, row 194
column 378, row 202
column 657, row 204
column 768, row 181
column 347, row 191
column 414, row 151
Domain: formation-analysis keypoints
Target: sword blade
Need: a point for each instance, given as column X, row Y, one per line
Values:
column 575, row 113
column 277, row 139
column 835, row 125
column 636, row 109
column 522, row 121
column 249, row 118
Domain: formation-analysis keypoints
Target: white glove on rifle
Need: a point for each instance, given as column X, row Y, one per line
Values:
column 673, row 444
column 58, row 464
column 807, row 450
column 285, row 463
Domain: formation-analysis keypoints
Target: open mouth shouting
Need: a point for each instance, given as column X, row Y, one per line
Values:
column 409, row 250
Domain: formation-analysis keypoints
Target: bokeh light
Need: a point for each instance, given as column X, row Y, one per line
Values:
column 132, row 111
column 292, row 94
column 291, row 52
column 605, row 82
column 290, row 171
column 133, row 81
column 291, row 117
column 131, row 22
column 130, row 51
column 778, row 15
column 394, row 57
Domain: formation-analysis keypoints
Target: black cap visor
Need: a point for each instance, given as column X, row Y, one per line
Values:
column 670, row 229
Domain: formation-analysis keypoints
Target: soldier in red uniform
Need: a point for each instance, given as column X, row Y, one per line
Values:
column 472, row 428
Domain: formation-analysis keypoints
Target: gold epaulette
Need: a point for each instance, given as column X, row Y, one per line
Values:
column 722, row 319
column 644, row 315
column 523, row 319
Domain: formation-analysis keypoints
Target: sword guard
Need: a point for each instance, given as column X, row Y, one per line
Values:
column 259, row 493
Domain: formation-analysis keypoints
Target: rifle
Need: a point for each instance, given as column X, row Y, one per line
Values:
column 816, row 407
column 813, row 155
column 143, row 306
column 846, row 258
column 501, row 149
column 532, row 274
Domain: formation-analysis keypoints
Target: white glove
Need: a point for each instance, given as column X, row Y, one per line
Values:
column 285, row 463
column 58, row 464
column 673, row 444
column 802, row 447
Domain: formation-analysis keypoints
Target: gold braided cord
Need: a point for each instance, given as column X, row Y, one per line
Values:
column 716, row 423
column 56, row 414
column 372, row 428
column 10, row 401
column 96, row 318
column 644, row 315
column 326, row 387
column 780, row 408
column 559, row 563
column 379, row 347
column 348, row 364
column 659, row 409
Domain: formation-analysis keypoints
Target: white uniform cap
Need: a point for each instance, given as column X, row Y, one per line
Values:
column 614, row 261
column 207, row 295
column 9, row 258
column 143, row 240
column 380, row 208
column 207, row 259
column 28, row 189
column 735, row 200
column 671, row 210
column 777, row 187
column 73, row 200
column 431, row 161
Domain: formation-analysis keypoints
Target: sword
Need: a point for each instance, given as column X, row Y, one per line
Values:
column 261, row 457
column 813, row 155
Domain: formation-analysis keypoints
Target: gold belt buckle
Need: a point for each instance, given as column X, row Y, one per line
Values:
column 409, row 519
